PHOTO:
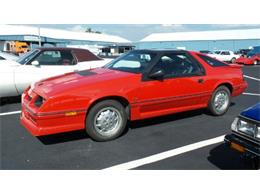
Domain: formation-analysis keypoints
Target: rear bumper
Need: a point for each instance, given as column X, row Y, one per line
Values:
column 51, row 124
column 239, row 89
column 250, row 149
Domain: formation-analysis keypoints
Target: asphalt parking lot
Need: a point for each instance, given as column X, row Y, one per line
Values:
column 144, row 139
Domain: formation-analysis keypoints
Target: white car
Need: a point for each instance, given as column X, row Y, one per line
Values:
column 44, row 63
column 224, row 55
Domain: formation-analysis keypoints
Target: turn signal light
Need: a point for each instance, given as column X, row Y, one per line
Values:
column 70, row 113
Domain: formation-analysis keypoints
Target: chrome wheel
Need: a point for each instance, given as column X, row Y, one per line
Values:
column 255, row 62
column 108, row 121
column 221, row 101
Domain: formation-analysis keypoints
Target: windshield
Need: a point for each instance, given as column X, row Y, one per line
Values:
column 217, row 52
column 134, row 61
column 27, row 57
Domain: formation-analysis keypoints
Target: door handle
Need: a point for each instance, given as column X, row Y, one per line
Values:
column 200, row 80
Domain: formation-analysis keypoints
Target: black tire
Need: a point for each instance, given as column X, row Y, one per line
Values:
column 211, row 105
column 96, row 112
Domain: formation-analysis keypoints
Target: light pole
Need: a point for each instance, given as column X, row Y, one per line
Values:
column 39, row 36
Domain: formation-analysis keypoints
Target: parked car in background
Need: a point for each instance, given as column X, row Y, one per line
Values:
column 245, row 136
column 243, row 52
column 253, row 60
column 252, row 57
column 140, row 84
column 43, row 63
column 225, row 55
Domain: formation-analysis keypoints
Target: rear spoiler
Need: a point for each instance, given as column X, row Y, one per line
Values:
column 236, row 65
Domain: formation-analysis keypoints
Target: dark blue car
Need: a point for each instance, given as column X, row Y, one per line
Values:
column 245, row 137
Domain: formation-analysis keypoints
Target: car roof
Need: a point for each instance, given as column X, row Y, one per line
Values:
column 221, row 50
column 59, row 48
column 160, row 50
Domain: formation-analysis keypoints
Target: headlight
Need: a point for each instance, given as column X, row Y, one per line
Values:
column 246, row 127
column 258, row 133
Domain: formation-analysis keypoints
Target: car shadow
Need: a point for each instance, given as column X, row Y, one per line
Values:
column 10, row 100
column 63, row 137
column 225, row 158
column 165, row 119
column 81, row 134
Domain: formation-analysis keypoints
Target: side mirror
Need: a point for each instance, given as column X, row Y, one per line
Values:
column 35, row 63
column 159, row 74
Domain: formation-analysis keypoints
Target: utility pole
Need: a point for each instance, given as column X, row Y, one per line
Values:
column 39, row 35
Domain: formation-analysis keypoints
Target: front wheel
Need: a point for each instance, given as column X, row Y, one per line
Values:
column 106, row 120
column 256, row 62
column 220, row 101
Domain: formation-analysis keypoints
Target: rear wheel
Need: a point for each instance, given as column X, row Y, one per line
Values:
column 106, row 120
column 220, row 101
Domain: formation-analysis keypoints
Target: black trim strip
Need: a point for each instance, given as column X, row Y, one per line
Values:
column 248, row 138
column 53, row 113
column 172, row 98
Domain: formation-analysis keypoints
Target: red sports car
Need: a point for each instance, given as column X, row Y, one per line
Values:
column 254, row 60
column 140, row 84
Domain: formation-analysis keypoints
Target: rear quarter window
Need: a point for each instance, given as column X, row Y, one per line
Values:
column 211, row 61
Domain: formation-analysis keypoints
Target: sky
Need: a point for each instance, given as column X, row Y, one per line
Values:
column 136, row 32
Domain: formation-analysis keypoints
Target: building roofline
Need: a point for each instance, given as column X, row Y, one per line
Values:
column 237, row 34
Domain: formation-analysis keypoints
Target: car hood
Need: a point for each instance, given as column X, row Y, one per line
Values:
column 252, row 112
column 86, row 78
column 9, row 63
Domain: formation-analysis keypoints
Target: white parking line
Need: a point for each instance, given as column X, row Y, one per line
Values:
column 253, row 78
column 167, row 154
column 253, row 94
column 10, row 113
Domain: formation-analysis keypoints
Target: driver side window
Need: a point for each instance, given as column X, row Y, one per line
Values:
column 176, row 65
column 55, row 58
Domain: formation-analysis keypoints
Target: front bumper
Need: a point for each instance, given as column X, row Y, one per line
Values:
column 244, row 146
column 39, row 125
